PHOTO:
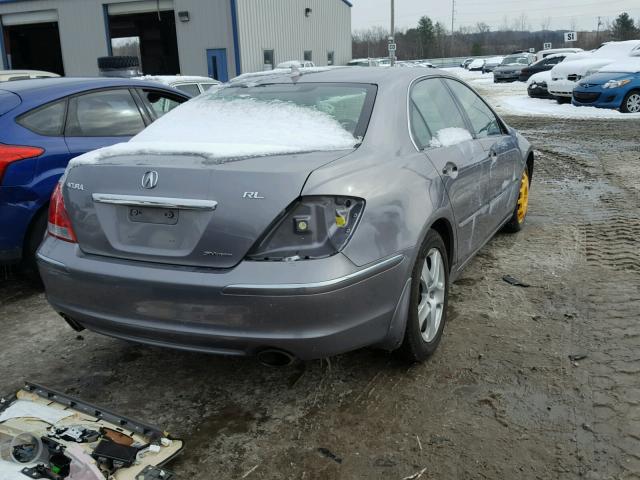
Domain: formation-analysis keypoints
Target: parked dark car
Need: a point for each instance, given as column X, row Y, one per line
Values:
column 547, row 63
column 46, row 122
column 491, row 64
column 537, row 86
column 286, row 216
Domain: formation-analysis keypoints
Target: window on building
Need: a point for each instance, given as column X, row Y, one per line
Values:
column 330, row 59
column 110, row 113
column 308, row 56
column 268, row 59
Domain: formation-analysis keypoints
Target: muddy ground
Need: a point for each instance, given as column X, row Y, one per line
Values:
column 501, row 399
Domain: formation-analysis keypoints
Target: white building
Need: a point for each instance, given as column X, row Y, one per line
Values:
column 219, row 38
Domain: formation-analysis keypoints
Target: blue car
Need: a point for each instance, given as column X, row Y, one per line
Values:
column 618, row 90
column 46, row 122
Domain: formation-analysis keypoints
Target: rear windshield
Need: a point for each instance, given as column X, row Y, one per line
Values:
column 348, row 104
column 515, row 59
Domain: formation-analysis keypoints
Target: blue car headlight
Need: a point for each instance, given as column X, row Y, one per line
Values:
column 617, row 83
column 313, row 227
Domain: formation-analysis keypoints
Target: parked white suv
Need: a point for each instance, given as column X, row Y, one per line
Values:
column 566, row 75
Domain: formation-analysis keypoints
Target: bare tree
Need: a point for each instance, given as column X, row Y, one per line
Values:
column 545, row 23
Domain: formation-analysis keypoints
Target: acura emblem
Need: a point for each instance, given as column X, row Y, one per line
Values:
column 150, row 179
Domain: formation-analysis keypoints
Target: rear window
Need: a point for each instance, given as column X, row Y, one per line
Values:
column 349, row 104
column 47, row 120
column 515, row 59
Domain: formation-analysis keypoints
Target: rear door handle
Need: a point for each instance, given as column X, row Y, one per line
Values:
column 450, row 170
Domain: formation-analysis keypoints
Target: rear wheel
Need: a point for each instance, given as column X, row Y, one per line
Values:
column 631, row 102
column 428, row 302
column 519, row 216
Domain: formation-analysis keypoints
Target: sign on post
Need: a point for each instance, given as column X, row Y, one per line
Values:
column 547, row 46
column 570, row 36
column 532, row 50
column 392, row 47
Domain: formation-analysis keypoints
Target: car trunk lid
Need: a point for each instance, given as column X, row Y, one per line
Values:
column 183, row 209
column 8, row 101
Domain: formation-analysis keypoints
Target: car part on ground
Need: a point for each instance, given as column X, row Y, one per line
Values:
column 296, row 205
column 55, row 436
column 43, row 125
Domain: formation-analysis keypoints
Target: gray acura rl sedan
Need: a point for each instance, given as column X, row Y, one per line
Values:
column 288, row 215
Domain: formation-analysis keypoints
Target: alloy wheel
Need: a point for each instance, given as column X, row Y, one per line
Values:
column 432, row 293
column 633, row 103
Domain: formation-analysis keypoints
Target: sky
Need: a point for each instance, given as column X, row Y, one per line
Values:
column 562, row 14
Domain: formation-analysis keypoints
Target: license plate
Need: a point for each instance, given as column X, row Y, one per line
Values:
column 162, row 216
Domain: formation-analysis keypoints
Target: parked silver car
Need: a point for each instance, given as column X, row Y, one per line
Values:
column 511, row 67
column 290, row 216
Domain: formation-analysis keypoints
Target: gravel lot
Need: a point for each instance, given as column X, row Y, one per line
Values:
column 501, row 399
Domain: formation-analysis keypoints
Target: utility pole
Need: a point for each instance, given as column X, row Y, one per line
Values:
column 392, row 39
column 453, row 17
column 598, row 30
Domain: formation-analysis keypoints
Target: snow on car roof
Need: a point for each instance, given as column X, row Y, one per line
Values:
column 617, row 49
column 631, row 65
column 173, row 79
column 221, row 128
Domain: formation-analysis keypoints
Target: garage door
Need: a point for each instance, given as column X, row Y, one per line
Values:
column 27, row 18
column 143, row 6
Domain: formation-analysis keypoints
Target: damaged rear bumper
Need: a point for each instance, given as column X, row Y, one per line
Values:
column 310, row 309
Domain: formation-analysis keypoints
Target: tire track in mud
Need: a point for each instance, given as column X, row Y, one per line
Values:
column 605, row 208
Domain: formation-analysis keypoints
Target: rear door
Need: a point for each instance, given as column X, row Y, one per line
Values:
column 505, row 161
column 442, row 132
column 101, row 118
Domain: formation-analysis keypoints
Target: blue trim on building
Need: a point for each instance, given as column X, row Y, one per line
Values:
column 236, row 40
column 105, row 13
column 3, row 52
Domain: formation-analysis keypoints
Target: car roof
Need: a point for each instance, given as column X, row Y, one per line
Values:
column 70, row 85
column 371, row 75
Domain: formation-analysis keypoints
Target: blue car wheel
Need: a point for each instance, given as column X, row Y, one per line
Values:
column 631, row 102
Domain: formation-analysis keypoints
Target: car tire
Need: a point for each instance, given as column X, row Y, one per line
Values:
column 563, row 100
column 428, row 300
column 519, row 216
column 37, row 230
column 118, row 62
column 631, row 102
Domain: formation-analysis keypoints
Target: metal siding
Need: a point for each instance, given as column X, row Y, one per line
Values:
column 282, row 26
column 209, row 27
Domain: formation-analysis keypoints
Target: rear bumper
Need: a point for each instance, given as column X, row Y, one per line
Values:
column 506, row 77
column 310, row 309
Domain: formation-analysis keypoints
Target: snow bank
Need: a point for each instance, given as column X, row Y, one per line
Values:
column 231, row 128
column 524, row 105
column 450, row 136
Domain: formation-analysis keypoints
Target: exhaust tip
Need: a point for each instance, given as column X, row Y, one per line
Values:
column 275, row 358
column 72, row 323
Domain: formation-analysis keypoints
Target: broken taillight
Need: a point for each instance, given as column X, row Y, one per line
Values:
column 59, row 223
column 13, row 153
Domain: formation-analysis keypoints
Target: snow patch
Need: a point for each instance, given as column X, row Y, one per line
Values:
column 632, row 65
column 231, row 128
column 450, row 136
